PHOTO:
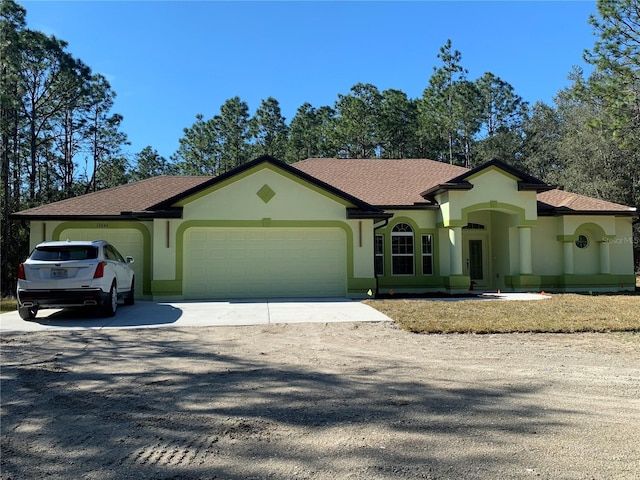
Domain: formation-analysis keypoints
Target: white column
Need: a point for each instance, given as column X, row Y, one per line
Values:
column 605, row 262
column 455, row 250
column 568, row 257
column 525, row 250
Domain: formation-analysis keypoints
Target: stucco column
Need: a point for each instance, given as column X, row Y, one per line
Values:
column 568, row 257
column 455, row 250
column 525, row 250
column 605, row 262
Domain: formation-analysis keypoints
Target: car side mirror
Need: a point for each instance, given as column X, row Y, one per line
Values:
column 129, row 259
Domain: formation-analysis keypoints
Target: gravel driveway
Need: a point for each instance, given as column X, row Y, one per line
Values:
column 318, row 401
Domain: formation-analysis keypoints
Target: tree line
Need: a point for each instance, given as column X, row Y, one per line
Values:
column 456, row 121
column 60, row 137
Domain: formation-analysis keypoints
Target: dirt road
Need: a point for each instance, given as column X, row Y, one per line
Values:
column 318, row 401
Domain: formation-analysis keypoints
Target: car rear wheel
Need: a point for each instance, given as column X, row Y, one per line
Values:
column 27, row 313
column 112, row 302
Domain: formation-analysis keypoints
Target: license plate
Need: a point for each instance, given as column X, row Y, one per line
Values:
column 58, row 273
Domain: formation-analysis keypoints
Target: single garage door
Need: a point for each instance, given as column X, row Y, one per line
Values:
column 128, row 241
column 264, row 262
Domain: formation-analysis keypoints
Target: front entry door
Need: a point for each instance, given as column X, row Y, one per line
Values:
column 475, row 257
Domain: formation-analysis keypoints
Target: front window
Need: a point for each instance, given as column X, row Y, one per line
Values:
column 427, row 254
column 402, row 250
column 379, row 254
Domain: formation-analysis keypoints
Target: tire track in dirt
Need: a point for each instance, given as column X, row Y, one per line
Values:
column 198, row 447
column 173, row 454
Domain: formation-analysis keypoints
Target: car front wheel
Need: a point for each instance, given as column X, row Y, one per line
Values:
column 27, row 313
column 112, row 302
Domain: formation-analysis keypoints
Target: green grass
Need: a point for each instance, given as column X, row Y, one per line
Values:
column 8, row 305
column 562, row 313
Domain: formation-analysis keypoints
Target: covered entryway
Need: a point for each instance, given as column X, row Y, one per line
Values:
column 264, row 262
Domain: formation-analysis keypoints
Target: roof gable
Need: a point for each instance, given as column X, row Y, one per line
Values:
column 525, row 181
column 355, row 205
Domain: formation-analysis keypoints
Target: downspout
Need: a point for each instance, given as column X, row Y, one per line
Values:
column 382, row 225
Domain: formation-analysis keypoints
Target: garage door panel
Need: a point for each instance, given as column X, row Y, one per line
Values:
column 255, row 254
column 267, row 262
column 237, row 253
column 274, row 236
column 199, row 236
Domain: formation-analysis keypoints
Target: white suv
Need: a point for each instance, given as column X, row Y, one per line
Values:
column 74, row 274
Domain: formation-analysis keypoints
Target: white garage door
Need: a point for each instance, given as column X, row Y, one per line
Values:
column 264, row 262
column 128, row 241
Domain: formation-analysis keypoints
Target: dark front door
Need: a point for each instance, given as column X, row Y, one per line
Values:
column 476, row 261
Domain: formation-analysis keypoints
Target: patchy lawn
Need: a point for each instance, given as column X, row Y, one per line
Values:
column 8, row 305
column 566, row 313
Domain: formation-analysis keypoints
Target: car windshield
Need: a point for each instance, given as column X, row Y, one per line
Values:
column 66, row 252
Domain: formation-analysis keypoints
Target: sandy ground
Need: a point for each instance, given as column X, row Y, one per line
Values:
column 318, row 401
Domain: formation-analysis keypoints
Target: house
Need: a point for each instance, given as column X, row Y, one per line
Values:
column 342, row 227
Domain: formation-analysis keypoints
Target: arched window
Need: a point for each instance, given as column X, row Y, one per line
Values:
column 473, row 226
column 402, row 250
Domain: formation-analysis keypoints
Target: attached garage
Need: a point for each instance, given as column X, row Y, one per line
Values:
column 264, row 262
column 262, row 230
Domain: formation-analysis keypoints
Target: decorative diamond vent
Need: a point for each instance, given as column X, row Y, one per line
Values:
column 266, row 193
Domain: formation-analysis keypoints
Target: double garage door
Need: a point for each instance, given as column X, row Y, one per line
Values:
column 264, row 262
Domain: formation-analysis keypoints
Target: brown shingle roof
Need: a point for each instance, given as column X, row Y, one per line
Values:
column 566, row 202
column 381, row 182
column 377, row 182
column 132, row 197
column 401, row 182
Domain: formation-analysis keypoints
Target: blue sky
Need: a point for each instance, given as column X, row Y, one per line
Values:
column 170, row 60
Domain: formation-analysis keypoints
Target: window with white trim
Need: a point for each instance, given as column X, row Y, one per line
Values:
column 402, row 250
column 379, row 254
column 427, row 254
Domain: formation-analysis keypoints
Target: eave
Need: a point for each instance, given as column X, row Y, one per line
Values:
column 356, row 213
column 414, row 206
column 443, row 187
column 534, row 187
column 169, row 214
column 175, row 212
column 562, row 211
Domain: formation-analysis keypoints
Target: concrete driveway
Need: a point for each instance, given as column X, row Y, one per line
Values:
column 147, row 314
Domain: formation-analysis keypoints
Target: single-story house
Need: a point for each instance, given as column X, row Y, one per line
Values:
column 346, row 227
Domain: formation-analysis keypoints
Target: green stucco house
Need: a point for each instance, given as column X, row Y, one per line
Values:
column 341, row 227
